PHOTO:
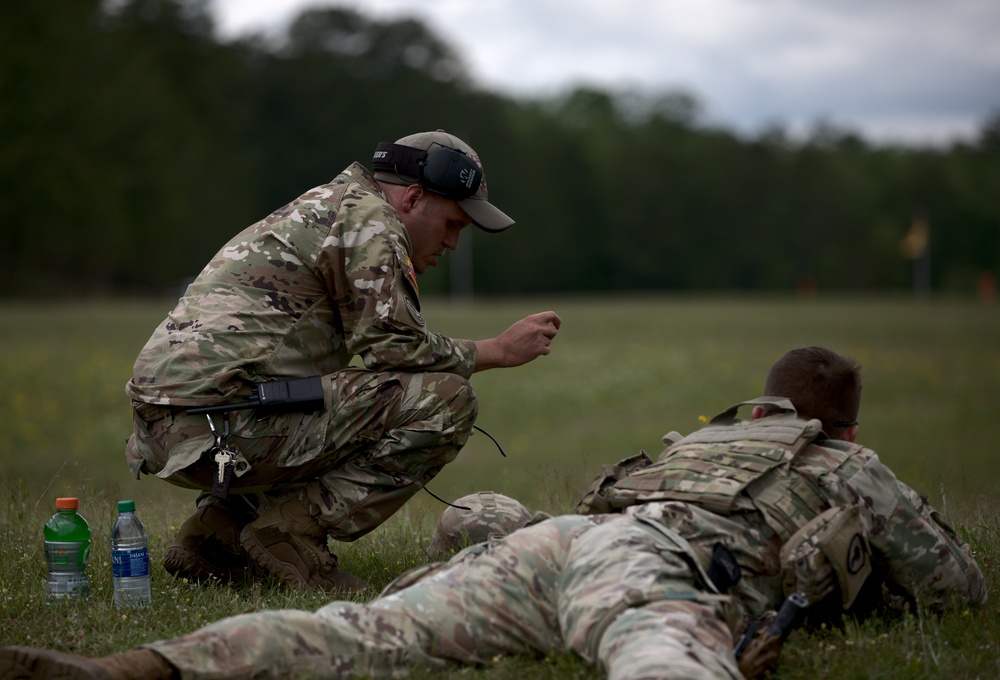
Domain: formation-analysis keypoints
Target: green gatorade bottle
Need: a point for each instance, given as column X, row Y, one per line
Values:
column 67, row 545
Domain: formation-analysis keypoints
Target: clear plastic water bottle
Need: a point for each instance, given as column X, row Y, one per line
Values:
column 130, row 558
column 67, row 546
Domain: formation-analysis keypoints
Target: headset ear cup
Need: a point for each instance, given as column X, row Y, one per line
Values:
column 451, row 173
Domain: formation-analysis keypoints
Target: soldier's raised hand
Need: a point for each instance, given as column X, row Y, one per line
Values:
column 523, row 341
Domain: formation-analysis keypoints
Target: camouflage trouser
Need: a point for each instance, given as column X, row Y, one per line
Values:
column 610, row 588
column 381, row 437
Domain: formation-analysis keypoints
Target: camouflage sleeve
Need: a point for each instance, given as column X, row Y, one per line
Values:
column 369, row 273
column 924, row 556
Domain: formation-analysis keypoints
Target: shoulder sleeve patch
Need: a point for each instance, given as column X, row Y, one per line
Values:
column 417, row 316
column 411, row 275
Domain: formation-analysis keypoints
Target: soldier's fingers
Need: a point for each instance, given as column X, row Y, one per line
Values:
column 548, row 318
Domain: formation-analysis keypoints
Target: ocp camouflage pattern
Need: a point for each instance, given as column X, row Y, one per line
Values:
column 382, row 438
column 321, row 280
column 762, row 491
column 616, row 590
column 627, row 592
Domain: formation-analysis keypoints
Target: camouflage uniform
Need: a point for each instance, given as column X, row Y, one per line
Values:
column 301, row 293
column 760, row 482
column 610, row 588
column 627, row 591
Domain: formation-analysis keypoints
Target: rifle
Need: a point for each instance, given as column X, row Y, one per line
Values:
column 757, row 654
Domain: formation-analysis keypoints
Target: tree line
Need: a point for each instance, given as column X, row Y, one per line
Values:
column 134, row 142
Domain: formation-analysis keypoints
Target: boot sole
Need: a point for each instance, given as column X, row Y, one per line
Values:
column 27, row 663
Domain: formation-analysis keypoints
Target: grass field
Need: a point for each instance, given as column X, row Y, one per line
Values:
column 623, row 371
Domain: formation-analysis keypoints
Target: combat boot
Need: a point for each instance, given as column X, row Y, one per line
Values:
column 288, row 543
column 29, row 663
column 208, row 547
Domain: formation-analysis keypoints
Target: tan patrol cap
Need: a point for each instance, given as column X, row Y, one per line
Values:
column 484, row 214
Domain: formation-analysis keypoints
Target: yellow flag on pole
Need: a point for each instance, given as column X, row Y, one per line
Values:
column 915, row 240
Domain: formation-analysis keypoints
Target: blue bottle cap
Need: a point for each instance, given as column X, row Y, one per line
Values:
column 126, row 506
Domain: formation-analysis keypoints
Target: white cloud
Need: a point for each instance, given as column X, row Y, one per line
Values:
column 896, row 69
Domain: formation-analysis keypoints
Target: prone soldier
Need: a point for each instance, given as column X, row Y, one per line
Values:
column 687, row 553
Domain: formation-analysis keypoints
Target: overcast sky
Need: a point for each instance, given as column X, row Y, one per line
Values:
column 923, row 71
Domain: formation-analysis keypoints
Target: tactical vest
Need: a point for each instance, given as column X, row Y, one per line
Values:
column 731, row 466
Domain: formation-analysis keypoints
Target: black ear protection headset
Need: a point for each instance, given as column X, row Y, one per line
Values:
column 442, row 170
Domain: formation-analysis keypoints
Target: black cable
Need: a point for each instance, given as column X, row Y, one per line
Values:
column 502, row 453
column 462, row 507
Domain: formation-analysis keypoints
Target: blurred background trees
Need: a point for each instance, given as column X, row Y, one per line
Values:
column 134, row 143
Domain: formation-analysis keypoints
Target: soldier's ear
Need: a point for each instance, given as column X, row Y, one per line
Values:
column 411, row 196
column 757, row 413
column 850, row 433
column 403, row 198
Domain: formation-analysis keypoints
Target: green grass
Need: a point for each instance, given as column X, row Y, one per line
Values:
column 623, row 371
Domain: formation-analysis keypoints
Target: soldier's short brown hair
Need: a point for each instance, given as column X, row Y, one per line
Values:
column 820, row 383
